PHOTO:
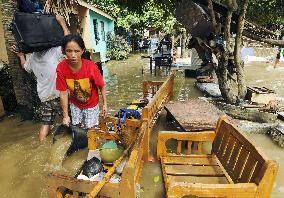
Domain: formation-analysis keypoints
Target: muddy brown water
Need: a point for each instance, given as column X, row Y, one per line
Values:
column 25, row 161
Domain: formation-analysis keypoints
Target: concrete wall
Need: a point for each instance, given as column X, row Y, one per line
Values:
column 100, row 46
column 84, row 16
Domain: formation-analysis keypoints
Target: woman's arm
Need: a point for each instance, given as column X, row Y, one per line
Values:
column 64, row 106
column 20, row 55
column 103, row 92
column 62, row 23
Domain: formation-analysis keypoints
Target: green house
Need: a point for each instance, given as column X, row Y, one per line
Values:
column 95, row 24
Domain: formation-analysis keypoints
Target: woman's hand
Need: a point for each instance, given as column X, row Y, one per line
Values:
column 16, row 51
column 66, row 121
column 105, row 110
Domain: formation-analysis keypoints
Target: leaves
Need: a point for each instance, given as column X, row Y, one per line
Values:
column 139, row 14
column 117, row 47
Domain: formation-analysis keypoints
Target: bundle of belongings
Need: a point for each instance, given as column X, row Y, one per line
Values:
column 100, row 160
column 133, row 111
column 33, row 30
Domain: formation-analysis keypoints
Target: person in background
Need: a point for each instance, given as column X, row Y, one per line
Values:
column 80, row 78
column 278, row 56
column 43, row 64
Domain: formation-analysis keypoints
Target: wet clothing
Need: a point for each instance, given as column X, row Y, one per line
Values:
column 43, row 65
column 48, row 111
column 83, row 85
column 86, row 118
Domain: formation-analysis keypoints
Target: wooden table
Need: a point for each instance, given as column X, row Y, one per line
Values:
column 193, row 115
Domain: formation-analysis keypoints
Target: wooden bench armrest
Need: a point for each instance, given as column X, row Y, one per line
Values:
column 164, row 136
column 213, row 190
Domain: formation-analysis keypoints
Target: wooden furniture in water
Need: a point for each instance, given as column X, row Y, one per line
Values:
column 235, row 167
column 129, row 177
column 160, row 93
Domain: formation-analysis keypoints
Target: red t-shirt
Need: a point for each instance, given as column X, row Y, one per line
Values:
column 82, row 84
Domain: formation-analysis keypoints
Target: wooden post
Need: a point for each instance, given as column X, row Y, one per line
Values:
column 92, row 143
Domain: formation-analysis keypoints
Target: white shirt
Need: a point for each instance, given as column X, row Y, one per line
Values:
column 43, row 64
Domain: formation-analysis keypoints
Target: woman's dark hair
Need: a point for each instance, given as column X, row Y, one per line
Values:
column 73, row 37
column 86, row 55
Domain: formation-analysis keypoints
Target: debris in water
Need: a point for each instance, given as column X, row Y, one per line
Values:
column 156, row 179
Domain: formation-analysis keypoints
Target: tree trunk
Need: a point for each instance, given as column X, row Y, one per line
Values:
column 18, row 75
column 242, row 90
column 221, row 70
column 224, row 85
column 183, row 43
column 213, row 18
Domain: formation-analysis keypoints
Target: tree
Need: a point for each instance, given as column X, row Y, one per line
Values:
column 226, row 19
column 148, row 14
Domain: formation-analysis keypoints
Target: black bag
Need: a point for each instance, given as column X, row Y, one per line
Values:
column 36, row 32
column 30, row 6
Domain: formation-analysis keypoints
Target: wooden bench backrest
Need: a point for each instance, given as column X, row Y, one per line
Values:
column 164, row 91
column 132, row 170
column 238, row 155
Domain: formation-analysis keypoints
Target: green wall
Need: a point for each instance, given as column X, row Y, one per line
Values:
column 100, row 45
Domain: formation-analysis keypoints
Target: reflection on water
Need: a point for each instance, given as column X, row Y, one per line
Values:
column 25, row 162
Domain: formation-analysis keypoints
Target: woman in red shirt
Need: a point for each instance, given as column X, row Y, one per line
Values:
column 82, row 79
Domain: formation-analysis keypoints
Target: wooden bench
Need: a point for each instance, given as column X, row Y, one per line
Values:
column 235, row 167
column 161, row 92
column 129, row 177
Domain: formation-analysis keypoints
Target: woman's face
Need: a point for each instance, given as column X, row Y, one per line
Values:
column 73, row 52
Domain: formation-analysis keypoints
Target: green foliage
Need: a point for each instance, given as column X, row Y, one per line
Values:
column 259, row 11
column 140, row 14
column 265, row 11
column 117, row 47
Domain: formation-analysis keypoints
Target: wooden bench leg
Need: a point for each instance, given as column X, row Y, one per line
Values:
column 92, row 142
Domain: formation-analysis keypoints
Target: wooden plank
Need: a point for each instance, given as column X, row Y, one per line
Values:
column 228, row 152
column 56, row 180
column 230, row 165
column 245, row 141
column 223, row 143
column 194, row 180
column 218, row 139
column 254, row 177
column 193, row 170
column 181, row 189
column 241, row 162
column 230, row 180
column 190, row 160
column 200, row 147
column 194, row 115
column 179, row 147
column 189, row 143
column 248, row 170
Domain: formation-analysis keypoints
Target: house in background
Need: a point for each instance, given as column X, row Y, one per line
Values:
column 94, row 26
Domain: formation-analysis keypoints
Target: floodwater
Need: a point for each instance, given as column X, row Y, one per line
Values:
column 25, row 161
